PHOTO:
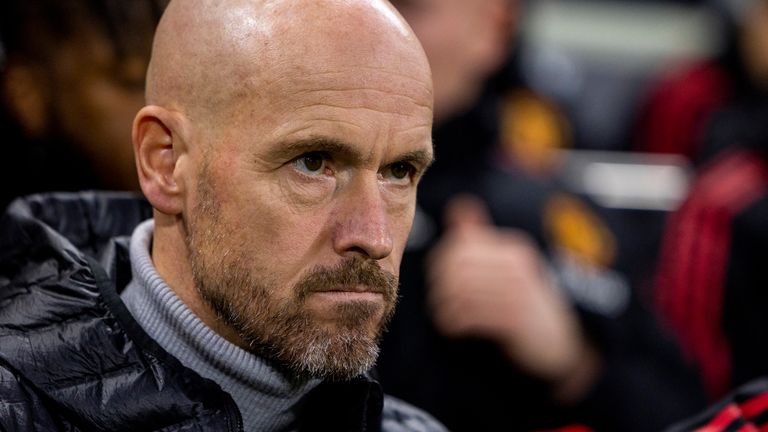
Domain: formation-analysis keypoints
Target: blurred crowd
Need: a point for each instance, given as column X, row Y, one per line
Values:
column 533, row 298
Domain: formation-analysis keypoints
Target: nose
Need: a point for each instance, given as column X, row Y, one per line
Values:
column 362, row 226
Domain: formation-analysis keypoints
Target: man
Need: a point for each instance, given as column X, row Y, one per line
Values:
column 280, row 150
column 711, row 270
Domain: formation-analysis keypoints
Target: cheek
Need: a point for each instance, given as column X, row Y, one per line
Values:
column 297, row 241
column 304, row 195
column 271, row 231
column 401, row 223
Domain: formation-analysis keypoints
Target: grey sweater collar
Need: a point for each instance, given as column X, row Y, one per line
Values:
column 266, row 398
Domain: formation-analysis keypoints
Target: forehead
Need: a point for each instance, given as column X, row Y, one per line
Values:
column 308, row 65
column 356, row 49
column 376, row 111
column 380, row 89
column 377, row 115
column 338, row 67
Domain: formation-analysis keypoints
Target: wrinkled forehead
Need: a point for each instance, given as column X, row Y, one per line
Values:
column 346, row 51
column 245, row 56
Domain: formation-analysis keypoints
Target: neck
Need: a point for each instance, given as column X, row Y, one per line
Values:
column 267, row 398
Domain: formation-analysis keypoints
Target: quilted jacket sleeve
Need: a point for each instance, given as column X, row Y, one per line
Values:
column 21, row 410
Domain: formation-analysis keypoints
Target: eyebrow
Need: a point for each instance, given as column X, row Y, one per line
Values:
column 421, row 158
column 291, row 149
column 342, row 150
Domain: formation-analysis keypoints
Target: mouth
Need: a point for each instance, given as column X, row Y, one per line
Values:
column 352, row 289
column 352, row 292
column 349, row 295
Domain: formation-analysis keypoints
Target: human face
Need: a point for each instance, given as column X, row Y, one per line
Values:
column 302, row 205
column 95, row 95
column 465, row 42
column 754, row 43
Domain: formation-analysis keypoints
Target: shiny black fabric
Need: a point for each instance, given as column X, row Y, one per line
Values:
column 73, row 359
column 67, row 362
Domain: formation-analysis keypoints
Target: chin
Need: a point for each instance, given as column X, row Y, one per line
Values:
column 336, row 349
column 355, row 316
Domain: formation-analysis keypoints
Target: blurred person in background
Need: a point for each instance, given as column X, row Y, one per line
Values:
column 511, row 317
column 71, row 79
column 710, row 286
column 689, row 100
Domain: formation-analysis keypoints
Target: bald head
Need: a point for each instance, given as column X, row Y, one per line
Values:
column 209, row 55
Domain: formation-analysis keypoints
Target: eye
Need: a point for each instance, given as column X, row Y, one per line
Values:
column 310, row 163
column 400, row 171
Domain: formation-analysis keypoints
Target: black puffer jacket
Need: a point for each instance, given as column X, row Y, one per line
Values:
column 73, row 359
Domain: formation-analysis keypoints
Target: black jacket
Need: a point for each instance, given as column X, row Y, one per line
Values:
column 73, row 359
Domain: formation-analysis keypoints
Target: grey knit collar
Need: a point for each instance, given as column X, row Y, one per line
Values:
column 266, row 398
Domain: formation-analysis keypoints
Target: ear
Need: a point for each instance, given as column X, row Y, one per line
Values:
column 158, row 145
column 26, row 98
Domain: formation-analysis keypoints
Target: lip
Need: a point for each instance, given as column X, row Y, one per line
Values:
column 345, row 296
column 351, row 289
column 349, row 293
